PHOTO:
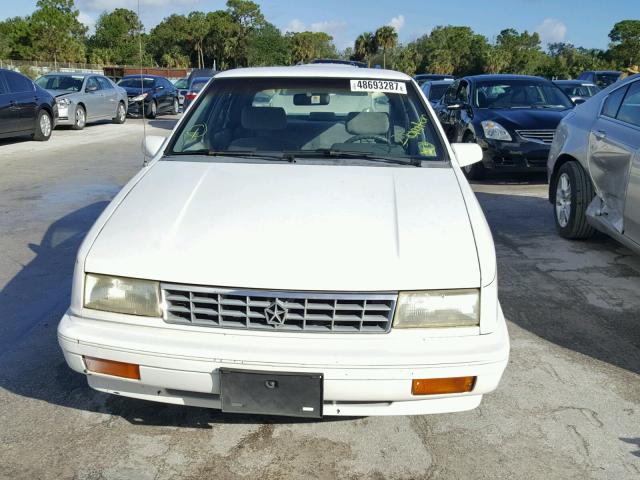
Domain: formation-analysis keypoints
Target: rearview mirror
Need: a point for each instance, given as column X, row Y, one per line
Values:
column 467, row 153
column 91, row 88
column 311, row 99
column 152, row 144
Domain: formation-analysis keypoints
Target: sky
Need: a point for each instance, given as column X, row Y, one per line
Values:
column 584, row 23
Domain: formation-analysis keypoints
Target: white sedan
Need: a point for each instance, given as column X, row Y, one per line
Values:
column 303, row 244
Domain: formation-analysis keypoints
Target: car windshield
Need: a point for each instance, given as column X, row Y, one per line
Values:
column 135, row 82
column 585, row 91
column 437, row 91
column 310, row 118
column 198, row 83
column 605, row 79
column 181, row 84
column 69, row 83
column 506, row 94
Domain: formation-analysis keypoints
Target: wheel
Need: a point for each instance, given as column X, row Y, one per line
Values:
column 152, row 110
column 44, row 125
column 475, row 171
column 79, row 118
column 121, row 114
column 175, row 109
column 574, row 192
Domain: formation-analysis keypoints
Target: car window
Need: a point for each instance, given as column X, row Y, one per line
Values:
column 605, row 79
column 630, row 109
column 136, row 82
column 613, row 101
column 514, row 94
column 310, row 117
column 69, row 83
column 3, row 90
column 182, row 83
column 437, row 91
column 93, row 83
column 104, row 83
column 450, row 96
column 18, row 83
column 463, row 93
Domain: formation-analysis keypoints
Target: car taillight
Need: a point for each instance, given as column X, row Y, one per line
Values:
column 191, row 95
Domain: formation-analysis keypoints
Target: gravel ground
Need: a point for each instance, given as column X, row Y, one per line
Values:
column 568, row 406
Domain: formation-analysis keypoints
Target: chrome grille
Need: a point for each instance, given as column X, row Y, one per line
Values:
column 304, row 311
column 541, row 136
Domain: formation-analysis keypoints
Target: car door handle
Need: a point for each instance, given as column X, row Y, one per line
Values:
column 600, row 134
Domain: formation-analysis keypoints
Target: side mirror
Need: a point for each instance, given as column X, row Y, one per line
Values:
column 578, row 100
column 152, row 144
column 467, row 153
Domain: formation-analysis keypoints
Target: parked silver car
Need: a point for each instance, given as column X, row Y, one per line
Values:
column 594, row 166
column 84, row 98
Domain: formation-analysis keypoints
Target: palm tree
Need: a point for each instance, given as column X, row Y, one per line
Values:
column 386, row 37
column 365, row 46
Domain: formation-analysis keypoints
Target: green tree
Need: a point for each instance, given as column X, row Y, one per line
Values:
column 248, row 18
column 624, row 48
column 117, row 37
column 267, row 46
column 16, row 39
column 57, row 33
column 170, row 37
column 197, row 30
column 521, row 52
column 365, row 47
column 386, row 38
column 452, row 50
column 306, row 46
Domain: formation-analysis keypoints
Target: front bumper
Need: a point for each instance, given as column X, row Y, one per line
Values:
column 363, row 374
column 522, row 156
column 136, row 108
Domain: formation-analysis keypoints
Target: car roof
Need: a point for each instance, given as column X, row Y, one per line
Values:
column 138, row 75
column 446, row 81
column 71, row 74
column 316, row 71
column 601, row 71
column 504, row 76
column 574, row 82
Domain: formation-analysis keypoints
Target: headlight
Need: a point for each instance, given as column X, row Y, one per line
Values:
column 495, row 131
column 438, row 308
column 63, row 102
column 122, row 295
column 139, row 98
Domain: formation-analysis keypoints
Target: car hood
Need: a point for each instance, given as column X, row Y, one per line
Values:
column 525, row 119
column 291, row 227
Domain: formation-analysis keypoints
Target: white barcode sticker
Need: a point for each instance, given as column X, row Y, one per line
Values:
column 388, row 86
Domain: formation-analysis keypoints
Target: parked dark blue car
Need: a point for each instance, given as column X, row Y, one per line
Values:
column 25, row 108
column 512, row 117
column 150, row 95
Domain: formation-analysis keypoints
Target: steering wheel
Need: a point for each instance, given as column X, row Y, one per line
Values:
column 375, row 138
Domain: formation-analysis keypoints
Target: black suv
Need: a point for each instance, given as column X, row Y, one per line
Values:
column 512, row 117
column 151, row 95
column 25, row 108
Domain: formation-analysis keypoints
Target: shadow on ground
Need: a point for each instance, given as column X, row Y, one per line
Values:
column 543, row 293
column 31, row 363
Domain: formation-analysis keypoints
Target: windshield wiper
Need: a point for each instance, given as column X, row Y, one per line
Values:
column 285, row 157
column 329, row 153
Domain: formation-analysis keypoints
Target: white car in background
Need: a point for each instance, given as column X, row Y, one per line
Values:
column 316, row 253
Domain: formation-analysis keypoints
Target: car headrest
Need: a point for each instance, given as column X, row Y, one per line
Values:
column 368, row 123
column 263, row 118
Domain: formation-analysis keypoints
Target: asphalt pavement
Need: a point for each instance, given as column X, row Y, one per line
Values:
column 568, row 406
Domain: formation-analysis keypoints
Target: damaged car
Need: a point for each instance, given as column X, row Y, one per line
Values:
column 84, row 98
column 594, row 166
column 305, row 243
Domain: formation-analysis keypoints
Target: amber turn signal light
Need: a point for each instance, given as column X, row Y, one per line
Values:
column 439, row 386
column 110, row 367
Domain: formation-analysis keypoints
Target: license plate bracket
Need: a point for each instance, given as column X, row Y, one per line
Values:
column 271, row 393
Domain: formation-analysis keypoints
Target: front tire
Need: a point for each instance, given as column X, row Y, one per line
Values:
column 121, row 114
column 44, row 126
column 573, row 195
column 152, row 111
column 79, row 118
column 475, row 171
column 175, row 109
